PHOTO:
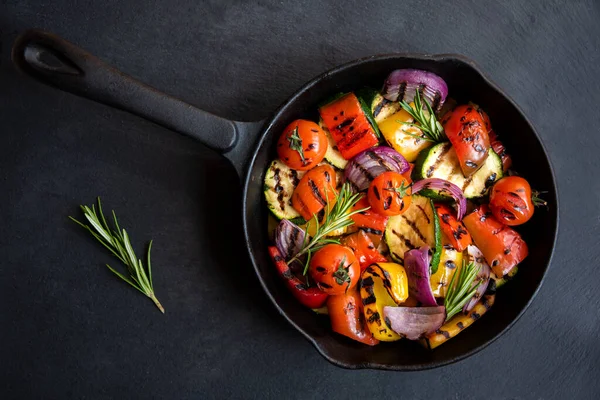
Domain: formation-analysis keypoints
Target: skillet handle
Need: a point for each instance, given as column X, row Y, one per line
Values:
column 56, row 62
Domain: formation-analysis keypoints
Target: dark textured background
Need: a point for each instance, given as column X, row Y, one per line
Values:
column 71, row 330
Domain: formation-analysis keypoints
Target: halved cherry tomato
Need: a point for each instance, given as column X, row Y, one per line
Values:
column 369, row 221
column 348, row 125
column 365, row 251
column 466, row 131
column 510, row 201
column 314, row 191
column 302, row 145
column 390, row 194
column 335, row 269
column 347, row 318
column 455, row 230
column 502, row 246
column 496, row 144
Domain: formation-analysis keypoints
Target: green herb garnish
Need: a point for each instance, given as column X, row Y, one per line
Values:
column 463, row 290
column 425, row 120
column 337, row 217
column 402, row 190
column 341, row 275
column 117, row 242
column 296, row 143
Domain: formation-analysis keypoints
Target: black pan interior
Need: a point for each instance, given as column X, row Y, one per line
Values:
column 465, row 83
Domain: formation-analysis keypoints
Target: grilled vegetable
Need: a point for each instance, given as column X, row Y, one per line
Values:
column 411, row 230
column 502, row 247
column 466, row 130
column 369, row 164
column 458, row 323
column 375, row 297
column 335, row 269
column 310, row 297
column 389, row 194
column 302, row 145
column 316, row 189
column 369, row 221
column 450, row 260
column 443, row 188
column 473, row 255
column 365, row 251
column 415, row 322
column 395, row 280
column 441, row 162
column 456, row 232
column 347, row 317
column 289, row 238
column 280, row 182
column 511, row 201
column 348, row 125
column 503, row 280
column 402, row 84
column 495, row 143
column 332, row 155
column 381, row 108
column 416, row 262
column 402, row 136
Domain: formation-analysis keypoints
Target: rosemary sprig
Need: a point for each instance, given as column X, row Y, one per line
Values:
column 296, row 143
column 337, row 217
column 117, row 242
column 425, row 120
column 461, row 291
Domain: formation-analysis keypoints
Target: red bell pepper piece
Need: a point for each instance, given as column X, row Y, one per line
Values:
column 364, row 249
column 502, row 246
column 311, row 297
column 348, row 125
column 369, row 221
column 347, row 317
column 455, row 230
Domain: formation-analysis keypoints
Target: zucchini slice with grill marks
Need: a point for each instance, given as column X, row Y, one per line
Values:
column 280, row 182
column 332, row 155
column 440, row 161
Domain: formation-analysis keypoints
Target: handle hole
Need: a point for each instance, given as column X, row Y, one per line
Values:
column 46, row 59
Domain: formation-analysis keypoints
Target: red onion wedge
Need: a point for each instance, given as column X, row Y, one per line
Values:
column 474, row 255
column 415, row 322
column 416, row 264
column 447, row 188
column 402, row 84
column 288, row 238
column 371, row 163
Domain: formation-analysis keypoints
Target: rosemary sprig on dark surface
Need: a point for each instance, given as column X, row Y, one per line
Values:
column 117, row 242
column 462, row 290
column 427, row 123
column 336, row 217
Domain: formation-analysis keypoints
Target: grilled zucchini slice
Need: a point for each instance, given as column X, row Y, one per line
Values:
column 440, row 161
column 280, row 182
column 332, row 155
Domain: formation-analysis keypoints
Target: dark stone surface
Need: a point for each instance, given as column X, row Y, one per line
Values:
column 71, row 330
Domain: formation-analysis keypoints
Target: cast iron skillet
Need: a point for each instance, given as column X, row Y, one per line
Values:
column 250, row 147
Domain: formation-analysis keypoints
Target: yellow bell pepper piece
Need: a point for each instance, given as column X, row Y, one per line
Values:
column 450, row 261
column 398, row 133
column 374, row 297
column 398, row 281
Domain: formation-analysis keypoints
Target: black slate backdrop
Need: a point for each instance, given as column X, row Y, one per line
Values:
column 72, row 330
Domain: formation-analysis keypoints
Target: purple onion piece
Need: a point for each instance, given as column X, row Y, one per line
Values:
column 415, row 322
column 475, row 256
column 447, row 188
column 288, row 238
column 416, row 264
column 402, row 84
column 371, row 163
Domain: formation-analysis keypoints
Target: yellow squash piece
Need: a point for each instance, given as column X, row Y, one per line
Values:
column 374, row 297
column 399, row 134
column 450, row 260
column 395, row 281
column 458, row 323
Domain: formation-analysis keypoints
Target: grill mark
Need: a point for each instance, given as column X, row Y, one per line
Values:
column 467, row 182
column 436, row 103
column 415, row 228
column 376, row 192
column 446, row 334
column 387, row 203
column 365, row 171
column 355, row 138
column 371, row 230
column 292, row 239
column 424, row 213
column 401, row 259
column 346, row 122
column 278, row 188
column 294, row 177
column 380, row 106
column 379, row 160
column 406, row 242
column 402, row 91
column 437, row 161
column 315, row 190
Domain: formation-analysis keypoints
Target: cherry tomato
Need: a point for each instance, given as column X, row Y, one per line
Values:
column 465, row 128
column 314, row 191
column 335, row 269
column 510, row 201
column 302, row 145
column 389, row 194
